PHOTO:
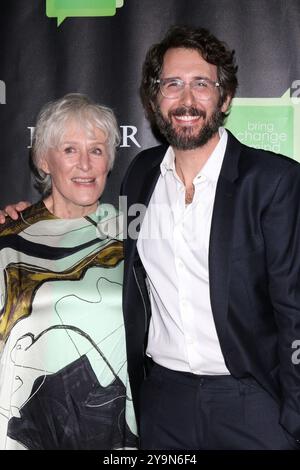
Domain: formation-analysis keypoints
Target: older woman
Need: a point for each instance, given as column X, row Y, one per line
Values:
column 63, row 368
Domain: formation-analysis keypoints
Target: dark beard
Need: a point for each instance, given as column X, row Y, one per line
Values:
column 183, row 139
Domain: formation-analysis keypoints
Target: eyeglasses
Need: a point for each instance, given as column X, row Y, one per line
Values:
column 173, row 88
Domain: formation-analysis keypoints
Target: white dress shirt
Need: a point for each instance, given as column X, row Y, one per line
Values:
column 173, row 245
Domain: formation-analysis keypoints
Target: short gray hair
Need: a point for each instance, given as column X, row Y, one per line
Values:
column 50, row 128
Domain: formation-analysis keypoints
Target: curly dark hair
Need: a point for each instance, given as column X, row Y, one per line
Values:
column 210, row 48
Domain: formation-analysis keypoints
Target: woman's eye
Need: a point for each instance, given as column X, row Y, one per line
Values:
column 69, row 150
column 97, row 151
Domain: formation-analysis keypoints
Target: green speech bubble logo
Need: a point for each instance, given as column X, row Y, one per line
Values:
column 61, row 9
column 267, row 123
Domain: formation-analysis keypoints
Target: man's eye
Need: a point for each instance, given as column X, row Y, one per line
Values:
column 173, row 85
column 201, row 84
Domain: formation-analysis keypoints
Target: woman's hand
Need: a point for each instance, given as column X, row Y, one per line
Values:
column 12, row 210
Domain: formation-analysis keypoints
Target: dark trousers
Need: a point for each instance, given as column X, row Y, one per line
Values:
column 185, row 411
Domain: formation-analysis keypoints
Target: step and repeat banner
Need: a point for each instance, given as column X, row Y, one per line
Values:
column 52, row 47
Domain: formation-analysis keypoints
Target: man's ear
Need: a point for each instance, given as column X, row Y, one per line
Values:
column 226, row 104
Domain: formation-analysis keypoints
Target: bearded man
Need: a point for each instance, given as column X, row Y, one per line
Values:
column 212, row 282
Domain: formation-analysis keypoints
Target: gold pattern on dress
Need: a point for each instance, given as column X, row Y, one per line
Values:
column 23, row 280
column 29, row 216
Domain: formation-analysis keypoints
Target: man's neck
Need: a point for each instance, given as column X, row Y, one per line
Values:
column 188, row 163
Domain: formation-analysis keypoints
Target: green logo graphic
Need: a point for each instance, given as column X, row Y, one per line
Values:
column 267, row 123
column 61, row 9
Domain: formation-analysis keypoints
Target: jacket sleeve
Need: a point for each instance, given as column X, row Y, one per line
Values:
column 281, row 230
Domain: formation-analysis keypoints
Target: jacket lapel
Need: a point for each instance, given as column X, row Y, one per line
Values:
column 147, row 185
column 147, row 188
column 221, row 236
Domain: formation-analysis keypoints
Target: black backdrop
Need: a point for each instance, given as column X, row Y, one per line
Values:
column 102, row 57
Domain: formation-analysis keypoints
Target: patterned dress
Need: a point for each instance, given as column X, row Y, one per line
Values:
column 63, row 368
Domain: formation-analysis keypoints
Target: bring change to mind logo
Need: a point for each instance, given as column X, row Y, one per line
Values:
column 268, row 123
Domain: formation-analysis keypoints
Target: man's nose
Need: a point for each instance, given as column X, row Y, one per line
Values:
column 187, row 96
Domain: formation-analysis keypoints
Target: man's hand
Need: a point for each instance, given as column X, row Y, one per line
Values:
column 12, row 210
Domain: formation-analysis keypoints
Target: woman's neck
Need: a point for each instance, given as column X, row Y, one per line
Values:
column 68, row 211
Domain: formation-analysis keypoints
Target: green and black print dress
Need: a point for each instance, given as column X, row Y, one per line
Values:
column 63, row 368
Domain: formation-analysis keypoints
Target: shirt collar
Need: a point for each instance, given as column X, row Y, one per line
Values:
column 211, row 169
column 168, row 163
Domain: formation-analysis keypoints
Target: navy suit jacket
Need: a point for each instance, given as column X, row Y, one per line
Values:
column 254, row 270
